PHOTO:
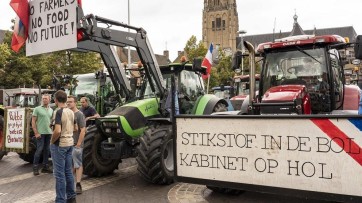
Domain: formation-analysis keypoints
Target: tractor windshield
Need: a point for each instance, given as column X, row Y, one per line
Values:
column 243, row 88
column 87, row 84
column 189, row 85
column 306, row 67
column 25, row 100
column 148, row 93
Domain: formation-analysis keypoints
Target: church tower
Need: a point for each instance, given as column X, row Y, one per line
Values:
column 220, row 24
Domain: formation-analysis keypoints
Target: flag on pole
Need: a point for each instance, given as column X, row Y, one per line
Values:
column 20, row 34
column 207, row 62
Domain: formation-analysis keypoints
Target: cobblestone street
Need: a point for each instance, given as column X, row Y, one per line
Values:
column 18, row 185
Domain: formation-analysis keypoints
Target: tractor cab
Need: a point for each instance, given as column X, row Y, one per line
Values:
column 25, row 100
column 97, row 87
column 189, row 84
column 242, row 86
column 303, row 75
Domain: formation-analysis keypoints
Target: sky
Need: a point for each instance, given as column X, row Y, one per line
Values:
column 170, row 23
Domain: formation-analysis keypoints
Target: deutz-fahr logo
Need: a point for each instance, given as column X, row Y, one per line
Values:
column 148, row 107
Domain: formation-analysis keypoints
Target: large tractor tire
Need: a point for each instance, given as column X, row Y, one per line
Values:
column 1, row 123
column 2, row 153
column 32, row 149
column 155, row 155
column 93, row 162
column 227, row 191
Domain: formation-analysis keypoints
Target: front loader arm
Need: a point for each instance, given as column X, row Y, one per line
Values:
column 95, row 35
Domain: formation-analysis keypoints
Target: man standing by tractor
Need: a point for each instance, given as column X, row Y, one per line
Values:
column 89, row 112
column 41, row 126
column 61, row 148
column 78, row 137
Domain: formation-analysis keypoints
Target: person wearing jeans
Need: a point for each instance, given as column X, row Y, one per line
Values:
column 41, row 126
column 62, row 165
column 42, row 150
column 78, row 137
column 61, row 150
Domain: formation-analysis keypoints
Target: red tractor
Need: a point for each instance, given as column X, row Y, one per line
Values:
column 300, row 75
column 242, row 86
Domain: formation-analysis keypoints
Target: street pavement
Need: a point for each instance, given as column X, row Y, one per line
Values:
column 18, row 185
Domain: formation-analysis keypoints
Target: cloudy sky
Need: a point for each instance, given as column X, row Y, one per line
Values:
column 171, row 23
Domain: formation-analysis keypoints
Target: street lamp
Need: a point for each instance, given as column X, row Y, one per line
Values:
column 241, row 34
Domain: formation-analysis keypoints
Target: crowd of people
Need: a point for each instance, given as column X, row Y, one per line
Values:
column 61, row 133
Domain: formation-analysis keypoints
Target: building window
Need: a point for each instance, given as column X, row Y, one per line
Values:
column 223, row 24
column 213, row 25
column 218, row 23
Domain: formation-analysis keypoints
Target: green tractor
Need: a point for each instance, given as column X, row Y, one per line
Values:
column 97, row 87
column 141, row 127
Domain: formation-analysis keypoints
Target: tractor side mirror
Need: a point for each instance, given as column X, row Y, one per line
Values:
column 237, row 60
column 358, row 47
column 196, row 65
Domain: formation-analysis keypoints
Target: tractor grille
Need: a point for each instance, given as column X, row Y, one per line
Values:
column 111, row 129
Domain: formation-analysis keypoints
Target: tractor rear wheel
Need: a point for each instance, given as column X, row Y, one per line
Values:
column 1, row 123
column 2, row 153
column 93, row 162
column 155, row 155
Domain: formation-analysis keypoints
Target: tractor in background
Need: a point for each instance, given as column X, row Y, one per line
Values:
column 225, row 92
column 242, row 88
column 301, row 75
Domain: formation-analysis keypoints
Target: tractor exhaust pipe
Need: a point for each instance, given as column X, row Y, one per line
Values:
column 251, row 51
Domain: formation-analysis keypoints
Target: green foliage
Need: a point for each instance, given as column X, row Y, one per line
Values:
column 194, row 49
column 20, row 70
column 222, row 73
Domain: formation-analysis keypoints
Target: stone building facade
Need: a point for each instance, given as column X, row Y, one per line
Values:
column 220, row 23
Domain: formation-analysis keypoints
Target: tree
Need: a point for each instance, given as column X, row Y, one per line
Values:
column 19, row 70
column 222, row 73
column 194, row 49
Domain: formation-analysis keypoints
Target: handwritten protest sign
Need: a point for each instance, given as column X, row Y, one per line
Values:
column 52, row 26
column 15, row 128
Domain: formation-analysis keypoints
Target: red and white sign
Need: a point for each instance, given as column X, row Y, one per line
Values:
column 15, row 128
column 321, row 155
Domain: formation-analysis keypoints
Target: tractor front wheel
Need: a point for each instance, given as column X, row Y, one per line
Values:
column 93, row 162
column 155, row 155
column 2, row 153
